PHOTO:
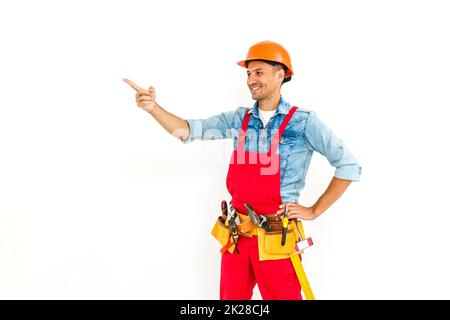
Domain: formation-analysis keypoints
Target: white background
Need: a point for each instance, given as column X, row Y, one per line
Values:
column 97, row 201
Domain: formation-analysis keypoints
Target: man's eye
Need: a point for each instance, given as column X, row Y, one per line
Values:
column 259, row 73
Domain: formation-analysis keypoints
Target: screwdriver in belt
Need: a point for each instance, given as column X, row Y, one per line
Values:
column 285, row 221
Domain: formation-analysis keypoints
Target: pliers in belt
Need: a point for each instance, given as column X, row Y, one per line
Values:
column 231, row 222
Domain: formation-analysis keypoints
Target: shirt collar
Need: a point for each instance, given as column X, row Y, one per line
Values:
column 283, row 107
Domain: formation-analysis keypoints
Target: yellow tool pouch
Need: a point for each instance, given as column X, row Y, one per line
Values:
column 269, row 243
column 221, row 232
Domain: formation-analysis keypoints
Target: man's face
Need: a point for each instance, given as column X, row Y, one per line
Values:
column 263, row 79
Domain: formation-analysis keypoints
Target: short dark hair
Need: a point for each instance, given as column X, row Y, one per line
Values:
column 274, row 63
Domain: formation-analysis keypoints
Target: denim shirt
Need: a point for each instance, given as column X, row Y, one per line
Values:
column 304, row 134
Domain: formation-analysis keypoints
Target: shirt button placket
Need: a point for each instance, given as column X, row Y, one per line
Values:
column 262, row 140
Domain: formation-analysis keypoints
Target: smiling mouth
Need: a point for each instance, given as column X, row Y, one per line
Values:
column 254, row 89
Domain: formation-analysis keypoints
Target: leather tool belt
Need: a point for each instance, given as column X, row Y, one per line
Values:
column 269, row 242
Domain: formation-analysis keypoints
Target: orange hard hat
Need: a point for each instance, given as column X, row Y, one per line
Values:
column 269, row 51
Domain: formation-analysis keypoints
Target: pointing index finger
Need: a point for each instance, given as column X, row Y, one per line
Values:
column 133, row 85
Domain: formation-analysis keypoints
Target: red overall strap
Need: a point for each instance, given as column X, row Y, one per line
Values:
column 275, row 140
column 241, row 137
column 276, row 137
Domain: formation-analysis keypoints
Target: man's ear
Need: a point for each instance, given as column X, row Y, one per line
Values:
column 281, row 75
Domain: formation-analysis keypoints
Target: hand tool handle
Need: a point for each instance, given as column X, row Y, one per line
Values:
column 224, row 208
column 283, row 237
column 285, row 221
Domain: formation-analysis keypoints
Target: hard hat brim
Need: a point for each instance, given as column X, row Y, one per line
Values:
column 244, row 63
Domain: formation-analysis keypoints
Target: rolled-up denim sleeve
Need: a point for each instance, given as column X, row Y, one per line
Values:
column 323, row 140
column 215, row 127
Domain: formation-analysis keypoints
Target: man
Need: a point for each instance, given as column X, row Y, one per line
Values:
column 273, row 145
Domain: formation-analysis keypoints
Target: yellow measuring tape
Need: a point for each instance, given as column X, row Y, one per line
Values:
column 298, row 267
column 301, row 275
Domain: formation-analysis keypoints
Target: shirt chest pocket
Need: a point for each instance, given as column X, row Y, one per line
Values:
column 293, row 143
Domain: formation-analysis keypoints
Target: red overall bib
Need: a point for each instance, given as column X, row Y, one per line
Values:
column 254, row 178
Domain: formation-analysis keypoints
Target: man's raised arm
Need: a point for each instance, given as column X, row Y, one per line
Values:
column 146, row 99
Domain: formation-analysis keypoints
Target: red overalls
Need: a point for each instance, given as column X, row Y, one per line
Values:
column 254, row 178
